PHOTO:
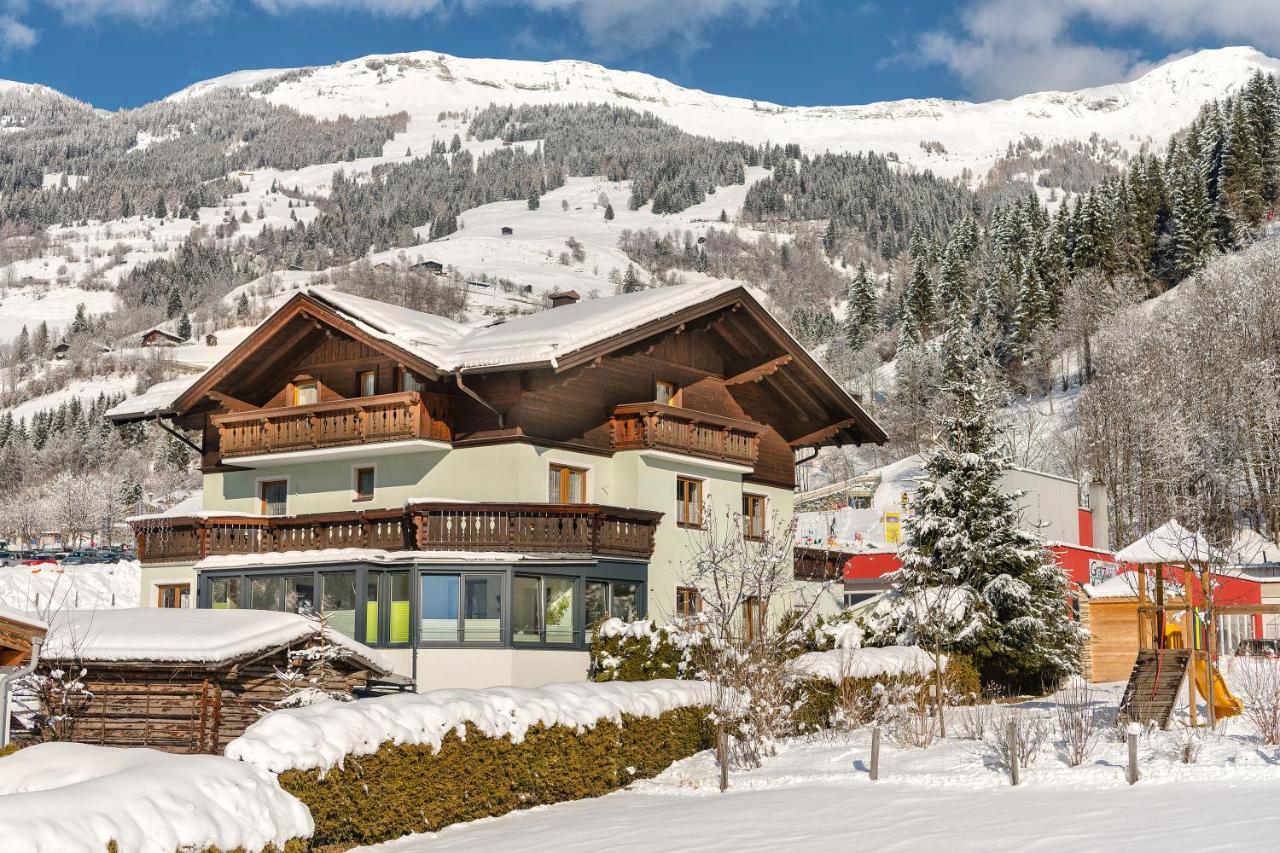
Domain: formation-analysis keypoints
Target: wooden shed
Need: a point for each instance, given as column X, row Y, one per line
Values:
column 188, row 680
column 17, row 629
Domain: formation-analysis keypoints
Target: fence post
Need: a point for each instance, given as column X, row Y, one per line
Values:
column 875, row 753
column 1132, row 773
column 1015, row 772
column 722, row 754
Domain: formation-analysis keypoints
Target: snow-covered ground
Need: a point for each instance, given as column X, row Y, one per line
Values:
column 817, row 795
column 48, row 588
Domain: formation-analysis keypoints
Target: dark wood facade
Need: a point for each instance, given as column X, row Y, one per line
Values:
column 15, row 640
column 746, row 393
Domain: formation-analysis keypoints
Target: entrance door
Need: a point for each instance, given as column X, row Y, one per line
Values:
column 173, row 595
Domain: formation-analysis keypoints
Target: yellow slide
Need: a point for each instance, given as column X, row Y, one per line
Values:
column 1224, row 703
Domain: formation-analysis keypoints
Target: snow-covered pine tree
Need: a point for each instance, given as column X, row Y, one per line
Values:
column 184, row 327
column 860, row 312
column 972, row 580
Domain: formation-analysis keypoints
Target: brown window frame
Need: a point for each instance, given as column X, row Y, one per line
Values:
column 689, row 507
column 360, row 377
column 688, row 601
column 262, row 501
column 674, row 392
column 754, row 611
column 180, row 588
column 564, row 475
column 753, row 524
column 358, row 495
column 402, row 374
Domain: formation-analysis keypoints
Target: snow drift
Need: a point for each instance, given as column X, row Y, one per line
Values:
column 71, row 797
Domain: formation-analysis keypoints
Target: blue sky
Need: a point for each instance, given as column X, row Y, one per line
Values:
column 120, row 53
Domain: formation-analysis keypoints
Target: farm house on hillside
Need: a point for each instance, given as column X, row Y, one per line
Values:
column 159, row 336
column 188, row 680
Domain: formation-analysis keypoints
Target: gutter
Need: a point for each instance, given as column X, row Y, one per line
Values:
column 7, row 676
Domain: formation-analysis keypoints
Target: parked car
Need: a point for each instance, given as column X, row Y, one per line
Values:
column 1265, row 648
column 80, row 558
column 40, row 559
column 8, row 558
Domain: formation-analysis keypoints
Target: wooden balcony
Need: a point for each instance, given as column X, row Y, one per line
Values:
column 654, row 426
column 363, row 420
column 588, row 529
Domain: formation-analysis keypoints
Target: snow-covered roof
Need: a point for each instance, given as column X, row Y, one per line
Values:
column 182, row 635
column 10, row 614
column 74, row 797
column 156, row 400
column 1169, row 543
column 427, row 335
column 1123, row 585
column 361, row 555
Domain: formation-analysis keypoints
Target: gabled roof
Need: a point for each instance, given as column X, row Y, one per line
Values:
column 162, row 328
column 559, row 338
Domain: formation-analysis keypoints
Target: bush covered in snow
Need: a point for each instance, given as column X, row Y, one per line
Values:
column 381, row 768
column 642, row 651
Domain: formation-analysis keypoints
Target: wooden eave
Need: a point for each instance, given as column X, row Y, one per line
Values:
column 301, row 305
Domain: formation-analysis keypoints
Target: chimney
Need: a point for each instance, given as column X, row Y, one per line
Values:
column 1101, row 515
column 563, row 297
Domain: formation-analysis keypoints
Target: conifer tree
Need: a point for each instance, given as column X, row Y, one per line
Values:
column 630, row 281
column 860, row 312
column 534, row 201
column 608, row 213
column 184, row 327
column 972, row 581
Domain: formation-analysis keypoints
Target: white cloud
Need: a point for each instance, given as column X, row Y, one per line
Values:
column 84, row 12
column 388, row 8
column 15, row 35
column 615, row 27
column 1003, row 48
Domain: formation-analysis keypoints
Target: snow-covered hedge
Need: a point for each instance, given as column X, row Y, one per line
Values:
column 71, row 797
column 380, row 768
column 641, row 651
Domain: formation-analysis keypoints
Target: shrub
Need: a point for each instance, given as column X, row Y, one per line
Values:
column 640, row 651
column 401, row 789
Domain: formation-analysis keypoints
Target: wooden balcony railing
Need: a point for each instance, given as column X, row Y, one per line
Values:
column 531, row 528
column 654, row 426
column 362, row 420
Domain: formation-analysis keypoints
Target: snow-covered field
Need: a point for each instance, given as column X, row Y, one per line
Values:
column 817, row 795
column 48, row 588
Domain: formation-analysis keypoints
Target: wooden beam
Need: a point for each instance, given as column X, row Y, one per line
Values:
column 760, row 371
column 285, row 347
column 822, row 434
column 231, row 403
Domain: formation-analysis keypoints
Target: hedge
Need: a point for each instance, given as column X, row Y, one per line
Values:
column 403, row 789
column 815, row 697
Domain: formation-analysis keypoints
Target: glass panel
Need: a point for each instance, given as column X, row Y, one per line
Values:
column 558, row 598
column 439, row 610
column 577, row 486
column 339, row 601
column 300, row 594
column 526, row 611
column 264, row 593
column 597, row 602
column 275, row 497
column 625, row 602
column 305, row 393
column 409, row 382
column 482, row 609
column 364, row 482
column 399, row 628
column 372, row 598
column 368, row 383
column 224, row 593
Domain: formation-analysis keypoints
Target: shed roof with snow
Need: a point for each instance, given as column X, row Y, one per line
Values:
column 1169, row 544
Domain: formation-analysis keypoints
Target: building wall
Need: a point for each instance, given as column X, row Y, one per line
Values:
column 154, row 576
column 1050, row 506
column 476, row 668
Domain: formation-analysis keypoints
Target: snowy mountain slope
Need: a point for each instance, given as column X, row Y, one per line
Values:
column 974, row 135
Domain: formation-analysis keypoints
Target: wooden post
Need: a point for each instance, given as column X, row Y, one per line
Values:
column 722, row 753
column 1189, row 641
column 1210, row 644
column 1015, row 772
column 875, row 753
column 1143, row 635
column 1132, row 773
column 1160, row 621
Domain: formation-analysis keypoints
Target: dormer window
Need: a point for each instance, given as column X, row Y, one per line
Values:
column 367, row 383
column 306, row 392
column 666, row 393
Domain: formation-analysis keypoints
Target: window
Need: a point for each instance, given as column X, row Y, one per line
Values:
column 364, row 478
column 366, row 383
column 300, row 594
column 688, row 502
column 338, row 601
column 753, row 516
column 566, row 485
column 543, row 610
column 224, row 593
column 596, row 602
column 173, row 595
column 478, row 598
column 264, row 593
column 666, row 393
column 605, row 599
column 753, row 614
column 409, row 381
column 306, row 392
column 273, row 497
column 624, row 601
column 688, row 602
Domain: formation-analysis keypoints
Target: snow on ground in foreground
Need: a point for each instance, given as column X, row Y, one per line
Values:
column 48, row 587
column 71, row 797
column 816, row 795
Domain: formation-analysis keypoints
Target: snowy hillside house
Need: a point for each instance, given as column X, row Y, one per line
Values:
column 472, row 498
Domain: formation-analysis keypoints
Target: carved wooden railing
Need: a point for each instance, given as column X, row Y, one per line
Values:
column 506, row 527
column 362, row 420
column 654, row 426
